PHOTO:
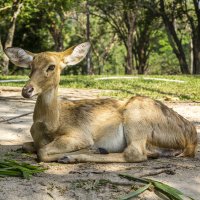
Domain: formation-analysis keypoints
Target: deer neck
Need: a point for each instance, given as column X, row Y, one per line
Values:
column 47, row 108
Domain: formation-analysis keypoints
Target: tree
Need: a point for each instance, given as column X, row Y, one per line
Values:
column 55, row 14
column 89, row 60
column 15, row 11
column 192, row 12
column 126, row 36
column 141, row 47
column 122, row 17
column 168, row 17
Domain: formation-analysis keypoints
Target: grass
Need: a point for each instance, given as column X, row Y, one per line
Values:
column 124, row 88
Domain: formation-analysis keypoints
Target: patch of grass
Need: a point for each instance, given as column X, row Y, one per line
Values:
column 125, row 88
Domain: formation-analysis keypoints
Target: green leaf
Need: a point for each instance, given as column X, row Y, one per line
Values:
column 136, row 193
column 168, row 187
column 169, row 191
column 26, row 175
column 13, row 168
column 9, row 173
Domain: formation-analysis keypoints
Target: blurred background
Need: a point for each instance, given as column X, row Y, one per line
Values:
column 127, row 37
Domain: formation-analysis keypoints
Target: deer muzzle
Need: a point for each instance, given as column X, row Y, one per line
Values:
column 27, row 91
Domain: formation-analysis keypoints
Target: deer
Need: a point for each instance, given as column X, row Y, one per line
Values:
column 102, row 130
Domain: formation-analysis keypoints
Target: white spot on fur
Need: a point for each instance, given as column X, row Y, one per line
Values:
column 48, row 97
column 113, row 142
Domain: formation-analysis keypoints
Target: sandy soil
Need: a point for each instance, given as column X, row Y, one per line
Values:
column 84, row 181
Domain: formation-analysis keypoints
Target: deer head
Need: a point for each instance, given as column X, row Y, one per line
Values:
column 46, row 66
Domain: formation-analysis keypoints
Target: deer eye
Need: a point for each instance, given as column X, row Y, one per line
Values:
column 51, row 68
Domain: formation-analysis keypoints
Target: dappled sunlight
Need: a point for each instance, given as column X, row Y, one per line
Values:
column 56, row 53
column 83, row 180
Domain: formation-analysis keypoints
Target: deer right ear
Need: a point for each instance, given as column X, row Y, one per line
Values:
column 75, row 54
column 19, row 56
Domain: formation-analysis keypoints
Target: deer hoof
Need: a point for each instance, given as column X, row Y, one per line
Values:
column 103, row 151
column 66, row 160
column 98, row 150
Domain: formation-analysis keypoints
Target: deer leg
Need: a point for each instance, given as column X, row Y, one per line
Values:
column 164, row 153
column 60, row 157
column 38, row 133
column 39, row 137
column 61, row 147
column 29, row 147
column 98, row 158
column 156, row 152
column 131, row 154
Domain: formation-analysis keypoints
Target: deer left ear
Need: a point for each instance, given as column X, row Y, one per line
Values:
column 76, row 54
column 19, row 57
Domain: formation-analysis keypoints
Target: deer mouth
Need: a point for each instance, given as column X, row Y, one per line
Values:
column 28, row 91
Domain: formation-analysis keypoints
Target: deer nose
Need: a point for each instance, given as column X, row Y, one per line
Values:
column 27, row 91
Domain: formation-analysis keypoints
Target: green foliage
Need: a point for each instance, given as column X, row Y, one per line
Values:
column 136, row 192
column 54, row 25
column 162, row 59
column 20, row 169
column 166, row 190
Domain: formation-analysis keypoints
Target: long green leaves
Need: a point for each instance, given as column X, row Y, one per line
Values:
column 166, row 190
column 136, row 193
column 13, row 168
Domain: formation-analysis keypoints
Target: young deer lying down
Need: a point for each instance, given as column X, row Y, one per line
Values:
column 100, row 130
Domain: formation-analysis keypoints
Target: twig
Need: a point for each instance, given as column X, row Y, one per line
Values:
column 166, row 170
column 7, row 120
column 51, row 195
column 153, row 173
column 4, row 8
column 119, row 182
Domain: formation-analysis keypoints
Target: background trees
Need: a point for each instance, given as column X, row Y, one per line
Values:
column 127, row 37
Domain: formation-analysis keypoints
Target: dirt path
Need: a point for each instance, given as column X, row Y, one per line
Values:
column 84, row 181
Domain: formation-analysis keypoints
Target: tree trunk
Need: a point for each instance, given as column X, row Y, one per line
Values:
column 174, row 40
column 141, row 50
column 89, row 57
column 191, row 56
column 129, row 58
column 56, row 33
column 142, row 64
column 16, row 8
column 196, row 56
column 1, row 50
column 196, row 40
column 130, row 19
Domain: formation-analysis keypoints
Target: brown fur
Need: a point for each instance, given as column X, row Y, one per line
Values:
column 129, row 130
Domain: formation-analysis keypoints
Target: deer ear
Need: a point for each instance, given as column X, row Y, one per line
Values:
column 19, row 56
column 75, row 54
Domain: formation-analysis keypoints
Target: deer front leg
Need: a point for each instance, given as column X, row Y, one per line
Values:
column 29, row 147
column 40, row 139
column 132, row 153
column 40, row 135
column 98, row 158
column 61, row 147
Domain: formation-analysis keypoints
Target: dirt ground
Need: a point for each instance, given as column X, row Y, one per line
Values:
column 86, row 181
